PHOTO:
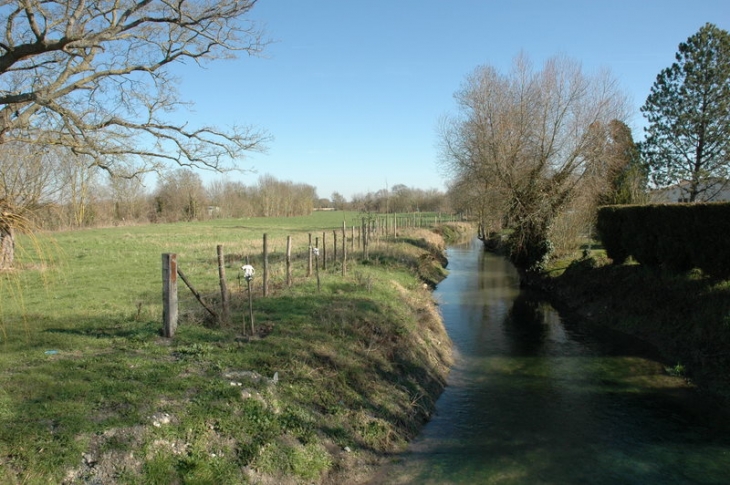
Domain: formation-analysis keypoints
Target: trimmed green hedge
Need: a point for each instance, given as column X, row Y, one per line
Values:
column 676, row 236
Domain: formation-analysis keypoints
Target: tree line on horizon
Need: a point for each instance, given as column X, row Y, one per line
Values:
column 69, row 196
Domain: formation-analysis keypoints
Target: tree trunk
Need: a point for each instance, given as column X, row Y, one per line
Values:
column 7, row 247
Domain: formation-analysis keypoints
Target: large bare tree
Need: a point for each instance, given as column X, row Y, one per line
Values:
column 528, row 136
column 93, row 76
column 28, row 182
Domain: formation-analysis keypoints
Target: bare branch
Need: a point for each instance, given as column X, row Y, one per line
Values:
column 92, row 75
column 523, row 136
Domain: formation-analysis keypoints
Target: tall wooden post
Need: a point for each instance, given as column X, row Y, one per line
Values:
column 224, row 286
column 316, row 267
column 248, row 272
column 250, row 307
column 324, row 250
column 169, row 294
column 344, row 248
column 334, row 246
column 288, row 262
column 309, row 257
column 266, row 265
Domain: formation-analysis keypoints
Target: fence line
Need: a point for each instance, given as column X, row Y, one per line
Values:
column 371, row 228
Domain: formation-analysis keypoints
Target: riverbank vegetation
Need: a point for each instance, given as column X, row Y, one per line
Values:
column 536, row 152
column 337, row 375
column 685, row 315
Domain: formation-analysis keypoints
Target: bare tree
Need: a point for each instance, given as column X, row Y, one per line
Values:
column 400, row 198
column 527, row 136
column 232, row 199
column 28, row 176
column 92, row 76
column 470, row 195
column 28, row 182
column 128, row 199
column 180, row 195
column 338, row 201
column 78, row 180
column 276, row 198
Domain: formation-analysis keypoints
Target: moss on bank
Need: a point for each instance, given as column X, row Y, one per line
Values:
column 685, row 316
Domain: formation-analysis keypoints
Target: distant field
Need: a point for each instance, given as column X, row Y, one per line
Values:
column 110, row 272
column 116, row 271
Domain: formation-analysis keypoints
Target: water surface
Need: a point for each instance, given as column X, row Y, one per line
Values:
column 537, row 399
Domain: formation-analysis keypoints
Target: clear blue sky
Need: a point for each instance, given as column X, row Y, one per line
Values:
column 352, row 91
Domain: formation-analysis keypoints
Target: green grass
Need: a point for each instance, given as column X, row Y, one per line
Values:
column 89, row 390
column 686, row 315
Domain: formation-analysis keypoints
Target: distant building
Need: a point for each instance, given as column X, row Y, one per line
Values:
column 713, row 190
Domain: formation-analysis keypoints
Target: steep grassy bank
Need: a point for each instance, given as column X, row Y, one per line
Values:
column 334, row 378
column 686, row 316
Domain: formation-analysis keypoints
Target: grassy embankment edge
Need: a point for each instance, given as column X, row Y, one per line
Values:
column 337, row 380
column 685, row 316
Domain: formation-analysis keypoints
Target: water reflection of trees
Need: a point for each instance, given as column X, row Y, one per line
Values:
column 526, row 325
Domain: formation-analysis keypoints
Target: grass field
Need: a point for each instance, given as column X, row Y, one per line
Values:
column 90, row 392
column 103, row 272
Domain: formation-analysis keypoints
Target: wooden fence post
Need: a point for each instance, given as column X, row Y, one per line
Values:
column 224, row 286
column 309, row 260
column 316, row 266
column 344, row 248
column 169, row 294
column 248, row 272
column 250, row 308
column 266, row 265
column 288, row 262
column 324, row 250
column 334, row 246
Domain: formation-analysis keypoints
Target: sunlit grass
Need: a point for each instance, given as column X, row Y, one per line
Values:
column 86, row 377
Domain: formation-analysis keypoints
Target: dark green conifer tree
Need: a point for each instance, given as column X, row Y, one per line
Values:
column 688, row 110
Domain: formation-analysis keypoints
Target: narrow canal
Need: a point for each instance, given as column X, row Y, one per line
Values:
column 537, row 399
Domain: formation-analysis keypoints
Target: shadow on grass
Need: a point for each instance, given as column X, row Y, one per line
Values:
column 685, row 315
column 348, row 372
